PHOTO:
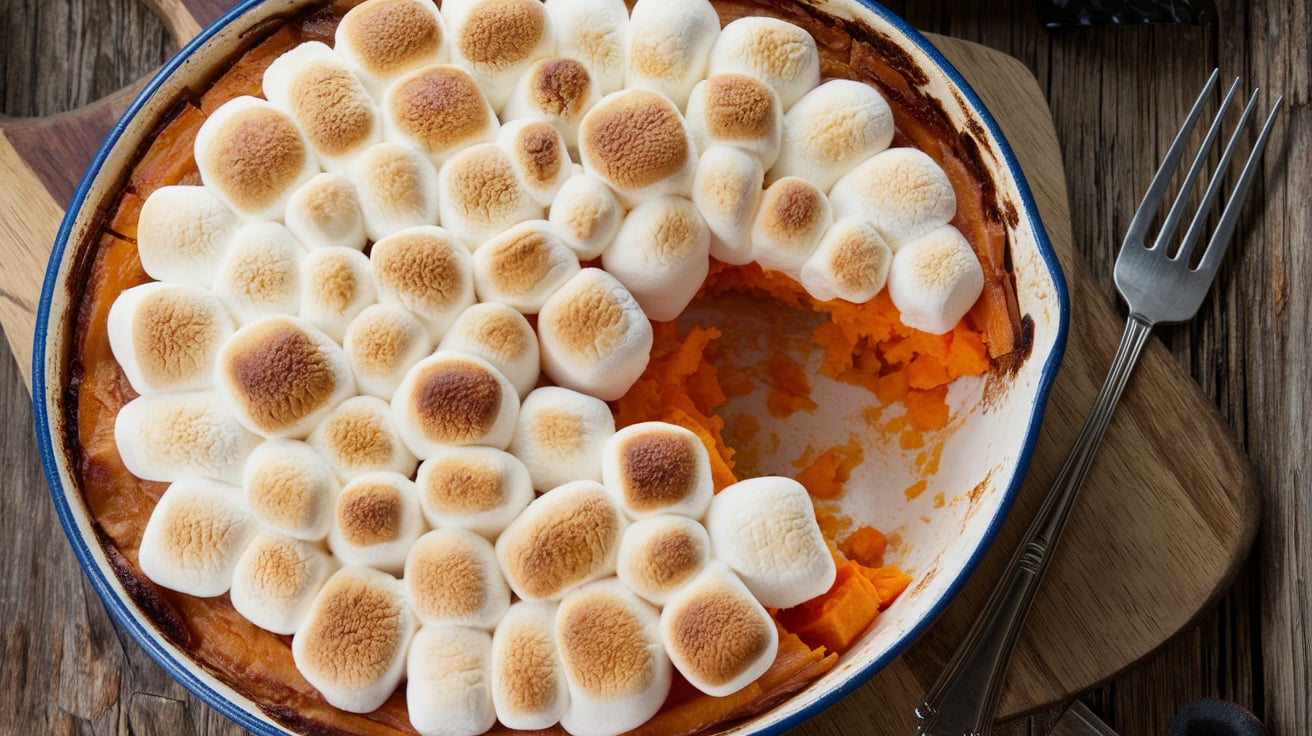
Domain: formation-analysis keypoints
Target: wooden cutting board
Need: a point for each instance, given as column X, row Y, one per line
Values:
column 1161, row 528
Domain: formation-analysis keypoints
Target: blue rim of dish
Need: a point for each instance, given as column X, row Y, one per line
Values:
column 162, row 653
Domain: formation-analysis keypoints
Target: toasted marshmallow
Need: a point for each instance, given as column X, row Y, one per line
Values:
column 727, row 193
column 496, row 40
column 425, row 270
column 439, row 110
column 539, row 153
column 557, row 89
column 670, row 45
column 482, row 194
column 376, row 521
column 831, row 129
column 262, row 273
column 793, row 216
column 660, row 554
column 765, row 530
column 776, row 52
column 561, row 435
column 352, row 644
column 359, row 436
column 279, row 376
column 736, row 110
column 618, row 673
column 593, row 336
column 397, row 188
column 381, row 344
column 451, row 576
column 337, row 284
column 636, row 141
column 481, row 489
column 656, row 467
column 901, row 191
column 276, row 580
column 383, row 39
column 934, row 280
column 717, row 634
column 586, row 215
column 528, row 681
column 325, row 212
column 290, row 489
column 499, row 334
column 448, row 687
column 172, row 436
column 595, row 32
column 252, row 156
column 452, row 399
column 183, row 234
column 566, row 537
column 325, row 98
column 194, row 537
column 662, row 254
column 166, row 337
column 851, row 263
column 523, row 266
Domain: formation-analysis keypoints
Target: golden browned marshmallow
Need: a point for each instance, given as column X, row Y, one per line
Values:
column 481, row 489
column 452, row 399
column 166, row 337
column 496, row 40
column 660, row 553
column 593, row 336
column 618, row 673
column 566, row 537
column 557, row 89
column 792, row 218
column 528, row 681
column 586, row 215
column 934, row 280
column 596, row 32
column 717, row 634
column 636, row 141
column 851, row 263
column 539, row 153
column 902, row 192
column 381, row 344
column 656, row 467
column 325, row 212
column 376, row 521
column 776, row 52
column 352, row 645
column 183, row 234
column 276, row 580
column 736, row 110
column 831, row 129
column 448, row 681
column 325, row 98
column 383, row 39
column 290, row 489
column 523, row 266
column 177, row 435
column 397, row 188
column 280, row 376
column 482, row 193
column 661, row 254
column 560, row 436
column 499, row 334
column 252, row 156
column 427, row 271
column 451, row 576
column 670, row 45
column 194, row 536
column 262, row 273
column 337, row 284
column 727, row 192
column 359, row 436
column 439, row 110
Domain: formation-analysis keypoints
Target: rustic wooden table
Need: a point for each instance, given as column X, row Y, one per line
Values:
column 1116, row 95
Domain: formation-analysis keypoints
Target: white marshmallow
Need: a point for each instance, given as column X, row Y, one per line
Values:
column 276, row 580
column 657, row 467
column 792, row 218
column 717, row 635
column 934, row 280
column 528, row 680
column 173, row 436
column 540, row 156
column 183, row 234
column 902, row 192
column 831, row 129
column 561, row 436
column 253, row 156
column 381, row 344
column 593, row 336
column 376, row 521
column 194, row 536
column 662, row 254
column 290, row 489
column 337, row 284
column 564, row 538
column 523, row 266
column 499, row 334
column 660, row 554
column 776, row 52
column 636, row 141
column 496, row 40
column 329, row 103
column 166, row 337
column 280, row 376
column 262, row 273
column 617, row 670
column 448, row 691
column 557, row 89
column 737, row 110
column 427, row 271
column 670, row 45
column 727, row 193
column 352, row 645
column 453, row 399
column 359, row 436
column 481, row 489
column 325, row 212
column 595, row 32
column 439, row 110
column 482, row 194
column 451, row 577
column 383, row 39
column 765, row 530
column 397, row 188
column 851, row 263
column 586, row 215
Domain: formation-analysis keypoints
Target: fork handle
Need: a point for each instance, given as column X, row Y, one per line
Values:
column 963, row 700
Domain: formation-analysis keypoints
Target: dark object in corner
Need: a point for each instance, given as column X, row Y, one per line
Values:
column 1066, row 13
column 1215, row 718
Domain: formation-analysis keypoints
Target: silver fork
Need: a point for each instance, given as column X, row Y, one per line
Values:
column 1160, row 286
